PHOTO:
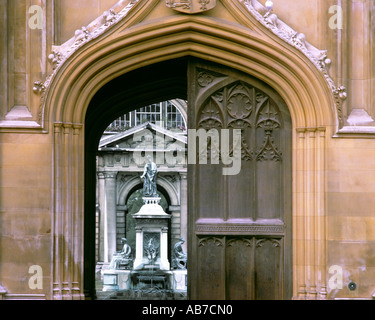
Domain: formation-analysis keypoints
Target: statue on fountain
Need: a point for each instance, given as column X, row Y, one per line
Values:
column 149, row 176
column 151, row 221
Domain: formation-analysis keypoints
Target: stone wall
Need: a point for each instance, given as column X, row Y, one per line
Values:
column 28, row 167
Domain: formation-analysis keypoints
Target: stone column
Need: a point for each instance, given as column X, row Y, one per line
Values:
column 175, row 230
column 355, row 60
column 360, row 51
column 184, row 207
column 19, row 55
column 139, row 247
column 120, row 225
column 26, row 40
column 309, row 278
column 164, row 263
column 4, row 66
column 102, row 219
column 110, row 212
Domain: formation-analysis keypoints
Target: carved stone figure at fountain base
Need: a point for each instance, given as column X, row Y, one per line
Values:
column 122, row 260
column 120, row 263
column 179, row 260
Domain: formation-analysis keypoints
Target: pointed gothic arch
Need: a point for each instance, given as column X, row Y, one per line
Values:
column 138, row 41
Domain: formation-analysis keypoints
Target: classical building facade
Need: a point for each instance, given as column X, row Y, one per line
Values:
column 120, row 166
column 121, row 160
column 284, row 210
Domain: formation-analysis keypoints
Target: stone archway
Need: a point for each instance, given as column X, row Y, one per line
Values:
column 249, row 47
column 112, row 98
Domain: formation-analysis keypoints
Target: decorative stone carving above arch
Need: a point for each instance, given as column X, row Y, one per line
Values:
column 124, row 23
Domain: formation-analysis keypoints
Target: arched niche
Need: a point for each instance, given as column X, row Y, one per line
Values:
column 134, row 183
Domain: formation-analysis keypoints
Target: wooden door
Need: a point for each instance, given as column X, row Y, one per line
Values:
column 239, row 225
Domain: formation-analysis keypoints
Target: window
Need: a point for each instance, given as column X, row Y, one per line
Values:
column 165, row 114
column 150, row 113
column 121, row 124
column 174, row 118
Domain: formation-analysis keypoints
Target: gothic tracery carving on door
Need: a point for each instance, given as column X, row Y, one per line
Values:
column 240, row 106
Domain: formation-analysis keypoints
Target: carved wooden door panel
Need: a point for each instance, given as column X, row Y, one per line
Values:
column 240, row 225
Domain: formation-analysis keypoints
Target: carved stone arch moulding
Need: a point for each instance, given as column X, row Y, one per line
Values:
column 127, row 183
column 111, row 24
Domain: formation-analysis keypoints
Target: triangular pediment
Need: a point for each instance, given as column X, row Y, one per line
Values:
column 143, row 137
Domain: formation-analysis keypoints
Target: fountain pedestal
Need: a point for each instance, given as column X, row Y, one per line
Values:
column 151, row 225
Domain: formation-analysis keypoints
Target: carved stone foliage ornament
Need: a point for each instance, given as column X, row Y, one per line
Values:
column 298, row 40
column 190, row 6
column 60, row 54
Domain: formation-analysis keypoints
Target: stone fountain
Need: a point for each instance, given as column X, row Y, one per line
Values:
column 151, row 265
column 151, row 270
